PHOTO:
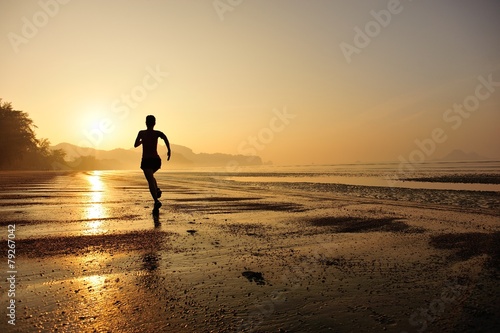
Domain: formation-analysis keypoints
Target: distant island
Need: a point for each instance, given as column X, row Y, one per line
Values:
column 86, row 158
column 458, row 155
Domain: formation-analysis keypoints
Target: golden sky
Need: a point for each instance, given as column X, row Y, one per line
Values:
column 295, row 82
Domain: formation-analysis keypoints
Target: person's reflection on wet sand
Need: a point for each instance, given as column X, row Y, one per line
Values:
column 151, row 260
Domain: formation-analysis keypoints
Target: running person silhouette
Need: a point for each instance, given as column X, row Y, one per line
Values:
column 151, row 161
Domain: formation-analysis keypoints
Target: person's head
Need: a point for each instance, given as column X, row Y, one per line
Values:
column 150, row 121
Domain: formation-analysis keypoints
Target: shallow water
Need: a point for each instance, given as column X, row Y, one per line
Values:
column 368, row 181
column 376, row 174
column 382, row 180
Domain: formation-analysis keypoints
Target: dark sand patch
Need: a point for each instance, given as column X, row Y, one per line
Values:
column 348, row 224
column 20, row 222
column 191, row 232
column 28, row 196
column 27, row 177
column 256, row 277
column 24, row 222
column 248, row 229
column 231, row 206
column 468, row 245
column 477, row 296
column 53, row 246
column 11, row 204
column 217, row 199
column 461, row 178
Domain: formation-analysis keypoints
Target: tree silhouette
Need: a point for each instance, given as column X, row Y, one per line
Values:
column 19, row 147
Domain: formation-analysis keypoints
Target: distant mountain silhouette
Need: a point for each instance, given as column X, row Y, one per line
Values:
column 89, row 158
column 460, row 155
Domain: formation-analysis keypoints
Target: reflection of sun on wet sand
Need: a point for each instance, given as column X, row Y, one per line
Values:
column 95, row 210
column 229, row 256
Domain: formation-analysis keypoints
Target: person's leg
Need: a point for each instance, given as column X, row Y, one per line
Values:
column 158, row 191
column 156, row 167
column 153, row 189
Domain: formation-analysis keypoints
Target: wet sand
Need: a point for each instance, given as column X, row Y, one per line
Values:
column 229, row 256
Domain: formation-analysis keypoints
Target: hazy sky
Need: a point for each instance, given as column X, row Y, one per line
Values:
column 296, row 82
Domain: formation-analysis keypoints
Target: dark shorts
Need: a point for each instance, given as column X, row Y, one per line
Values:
column 153, row 163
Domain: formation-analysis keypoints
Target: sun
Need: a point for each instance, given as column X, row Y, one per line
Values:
column 94, row 125
column 91, row 116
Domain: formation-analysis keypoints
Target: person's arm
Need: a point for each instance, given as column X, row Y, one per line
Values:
column 138, row 140
column 164, row 137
